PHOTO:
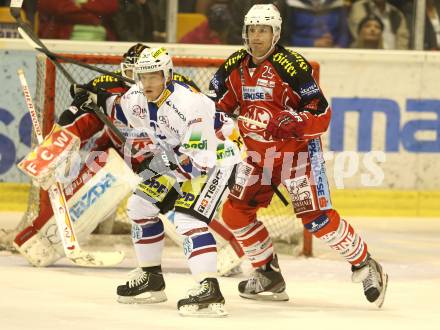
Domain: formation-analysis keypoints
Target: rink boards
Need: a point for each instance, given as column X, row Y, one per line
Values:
column 383, row 142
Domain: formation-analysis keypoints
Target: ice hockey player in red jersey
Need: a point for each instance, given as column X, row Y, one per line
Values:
column 283, row 113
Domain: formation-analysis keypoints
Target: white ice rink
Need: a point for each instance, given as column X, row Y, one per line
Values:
column 322, row 296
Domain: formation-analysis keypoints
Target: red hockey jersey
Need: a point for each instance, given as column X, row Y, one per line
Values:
column 283, row 81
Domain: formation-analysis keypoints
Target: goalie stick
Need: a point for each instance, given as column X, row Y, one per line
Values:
column 61, row 211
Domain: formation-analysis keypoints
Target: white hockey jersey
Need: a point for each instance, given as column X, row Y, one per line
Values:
column 182, row 120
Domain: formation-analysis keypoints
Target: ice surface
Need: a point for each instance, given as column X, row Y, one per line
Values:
column 322, row 297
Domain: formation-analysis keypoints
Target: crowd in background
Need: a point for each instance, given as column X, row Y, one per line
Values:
column 374, row 24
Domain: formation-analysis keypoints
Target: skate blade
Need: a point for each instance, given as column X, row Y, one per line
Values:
column 144, row 298
column 266, row 296
column 380, row 300
column 213, row 310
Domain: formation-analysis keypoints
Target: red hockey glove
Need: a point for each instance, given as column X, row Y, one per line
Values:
column 287, row 124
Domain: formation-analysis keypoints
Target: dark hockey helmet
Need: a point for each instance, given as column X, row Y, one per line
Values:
column 130, row 59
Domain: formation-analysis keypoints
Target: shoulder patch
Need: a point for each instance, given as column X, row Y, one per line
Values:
column 289, row 62
column 235, row 59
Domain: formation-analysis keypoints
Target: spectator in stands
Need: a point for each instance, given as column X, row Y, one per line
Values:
column 136, row 20
column 214, row 30
column 318, row 23
column 76, row 19
column 188, row 6
column 8, row 27
column 395, row 34
column 432, row 25
column 238, row 8
column 369, row 33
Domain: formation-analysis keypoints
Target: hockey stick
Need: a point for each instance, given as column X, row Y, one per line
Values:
column 61, row 210
column 266, row 175
column 26, row 32
column 252, row 121
column 29, row 36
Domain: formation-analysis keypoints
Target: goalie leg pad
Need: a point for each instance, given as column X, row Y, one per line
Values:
column 199, row 245
column 337, row 233
column 41, row 247
column 91, row 198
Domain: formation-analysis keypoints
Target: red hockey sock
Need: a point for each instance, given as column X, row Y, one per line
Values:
column 338, row 234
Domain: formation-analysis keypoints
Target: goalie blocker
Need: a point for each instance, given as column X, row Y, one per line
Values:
column 50, row 157
column 103, row 182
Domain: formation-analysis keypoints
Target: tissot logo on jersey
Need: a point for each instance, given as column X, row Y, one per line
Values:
column 212, row 191
column 257, row 93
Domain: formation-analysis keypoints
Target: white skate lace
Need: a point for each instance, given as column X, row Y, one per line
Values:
column 136, row 277
column 256, row 282
column 372, row 280
column 199, row 289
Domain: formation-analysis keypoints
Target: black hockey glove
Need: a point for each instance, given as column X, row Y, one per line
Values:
column 96, row 94
column 81, row 101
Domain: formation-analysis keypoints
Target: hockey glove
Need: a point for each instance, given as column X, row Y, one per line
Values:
column 81, row 101
column 97, row 94
column 287, row 124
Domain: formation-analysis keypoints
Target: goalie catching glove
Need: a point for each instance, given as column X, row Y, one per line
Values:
column 287, row 124
column 84, row 95
column 53, row 154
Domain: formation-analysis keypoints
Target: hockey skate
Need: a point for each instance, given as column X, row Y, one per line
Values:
column 143, row 287
column 265, row 283
column 205, row 300
column 373, row 279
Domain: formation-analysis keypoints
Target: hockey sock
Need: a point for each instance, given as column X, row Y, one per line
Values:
column 256, row 243
column 226, row 234
column 200, row 249
column 338, row 235
column 148, row 239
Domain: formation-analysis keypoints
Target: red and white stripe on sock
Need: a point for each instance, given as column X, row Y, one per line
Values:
column 339, row 235
column 256, row 243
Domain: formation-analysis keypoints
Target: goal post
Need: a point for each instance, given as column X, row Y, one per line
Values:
column 52, row 97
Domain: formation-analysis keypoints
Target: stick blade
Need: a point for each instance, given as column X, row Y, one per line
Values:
column 96, row 259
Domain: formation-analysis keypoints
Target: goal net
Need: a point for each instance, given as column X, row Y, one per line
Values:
column 52, row 97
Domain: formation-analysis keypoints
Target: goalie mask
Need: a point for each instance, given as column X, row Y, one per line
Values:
column 130, row 59
column 154, row 60
column 262, row 15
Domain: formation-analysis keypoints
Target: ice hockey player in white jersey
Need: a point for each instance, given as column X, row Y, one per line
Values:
column 183, row 124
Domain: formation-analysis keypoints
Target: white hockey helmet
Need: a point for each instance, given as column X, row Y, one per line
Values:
column 263, row 15
column 153, row 60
